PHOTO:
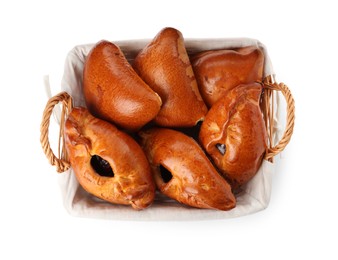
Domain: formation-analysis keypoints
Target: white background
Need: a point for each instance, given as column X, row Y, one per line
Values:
column 301, row 220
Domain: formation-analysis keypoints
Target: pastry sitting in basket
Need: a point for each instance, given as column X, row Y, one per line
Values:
column 136, row 137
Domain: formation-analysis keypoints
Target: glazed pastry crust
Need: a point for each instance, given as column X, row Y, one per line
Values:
column 194, row 181
column 114, row 92
column 165, row 66
column 236, row 121
column 219, row 71
column 86, row 136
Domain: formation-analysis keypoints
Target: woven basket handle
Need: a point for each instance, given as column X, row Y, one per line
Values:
column 270, row 86
column 60, row 161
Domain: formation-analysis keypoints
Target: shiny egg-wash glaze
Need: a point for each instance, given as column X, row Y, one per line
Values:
column 92, row 143
column 219, row 71
column 234, row 134
column 194, row 181
column 114, row 92
column 165, row 66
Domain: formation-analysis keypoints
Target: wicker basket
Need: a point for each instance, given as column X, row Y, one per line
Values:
column 255, row 195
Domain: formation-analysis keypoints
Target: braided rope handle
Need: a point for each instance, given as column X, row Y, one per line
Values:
column 270, row 86
column 60, row 161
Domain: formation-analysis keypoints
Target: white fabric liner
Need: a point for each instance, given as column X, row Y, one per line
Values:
column 254, row 197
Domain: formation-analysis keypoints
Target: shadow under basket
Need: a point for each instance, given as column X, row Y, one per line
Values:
column 253, row 197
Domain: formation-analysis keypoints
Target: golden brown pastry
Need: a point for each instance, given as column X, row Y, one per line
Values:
column 234, row 134
column 183, row 172
column 107, row 162
column 114, row 92
column 165, row 66
column 219, row 71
